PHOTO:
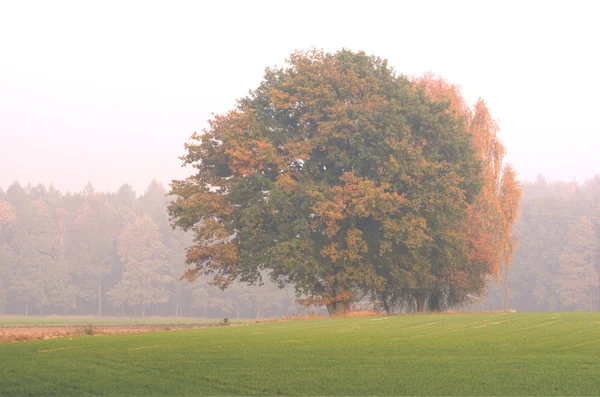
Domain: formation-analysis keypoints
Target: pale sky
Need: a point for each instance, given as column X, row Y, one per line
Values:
column 109, row 91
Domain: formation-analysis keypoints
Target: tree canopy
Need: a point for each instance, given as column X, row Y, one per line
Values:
column 343, row 178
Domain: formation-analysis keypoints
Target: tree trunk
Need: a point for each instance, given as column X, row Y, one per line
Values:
column 99, row 298
column 434, row 303
column 420, row 304
column 386, row 307
column 505, row 287
column 257, row 308
column 340, row 308
column 26, row 308
column 143, row 311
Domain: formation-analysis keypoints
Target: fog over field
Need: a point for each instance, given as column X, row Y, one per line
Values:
column 98, row 99
column 107, row 93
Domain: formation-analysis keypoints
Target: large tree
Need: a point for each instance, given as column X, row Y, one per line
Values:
column 330, row 175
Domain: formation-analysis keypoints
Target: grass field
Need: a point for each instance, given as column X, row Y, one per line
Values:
column 65, row 321
column 472, row 354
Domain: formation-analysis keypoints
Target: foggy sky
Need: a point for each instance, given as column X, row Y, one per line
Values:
column 108, row 92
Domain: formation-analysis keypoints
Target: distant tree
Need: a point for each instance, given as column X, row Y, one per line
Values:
column 333, row 175
column 208, row 297
column 59, row 254
column 549, row 210
column 155, row 202
column 127, row 198
column 262, row 298
column 5, row 275
column 7, row 217
column 16, row 196
column 578, row 272
column 36, row 255
column 93, row 245
column 201, row 298
column 144, row 257
column 176, row 242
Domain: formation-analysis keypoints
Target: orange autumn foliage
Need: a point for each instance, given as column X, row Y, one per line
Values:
column 492, row 215
column 337, row 176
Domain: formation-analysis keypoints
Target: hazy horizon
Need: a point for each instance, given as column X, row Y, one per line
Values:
column 108, row 93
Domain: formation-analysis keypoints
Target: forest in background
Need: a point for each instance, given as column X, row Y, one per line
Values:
column 556, row 266
column 93, row 253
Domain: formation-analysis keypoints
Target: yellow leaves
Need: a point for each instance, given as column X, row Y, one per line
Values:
column 204, row 204
column 280, row 99
column 318, row 155
column 440, row 90
column 494, row 211
column 248, row 157
column 298, row 149
column 40, row 206
column 241, row 145
column 491, row 151
column 510, row 193
column 355, row 246
column 331, row 251
column 219, row 259
column 340, row 208
column 510, row 190
column 356, row 198
column 210, row 231
column 6, row 214
column 329, row 212
column 287, row 182
column 492, row 215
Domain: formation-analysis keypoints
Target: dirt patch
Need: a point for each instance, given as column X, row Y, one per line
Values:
column 22, row 334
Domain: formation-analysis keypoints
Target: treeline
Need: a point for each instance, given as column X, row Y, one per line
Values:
column 557, row 264
column 93, row 253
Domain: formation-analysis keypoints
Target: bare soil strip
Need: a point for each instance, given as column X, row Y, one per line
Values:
column 22, row 334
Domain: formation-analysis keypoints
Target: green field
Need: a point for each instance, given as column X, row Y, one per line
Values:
column 472, row 354
column 66, row 321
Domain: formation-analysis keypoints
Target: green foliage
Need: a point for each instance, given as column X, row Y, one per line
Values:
column 473, row 354
column 334, row 175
